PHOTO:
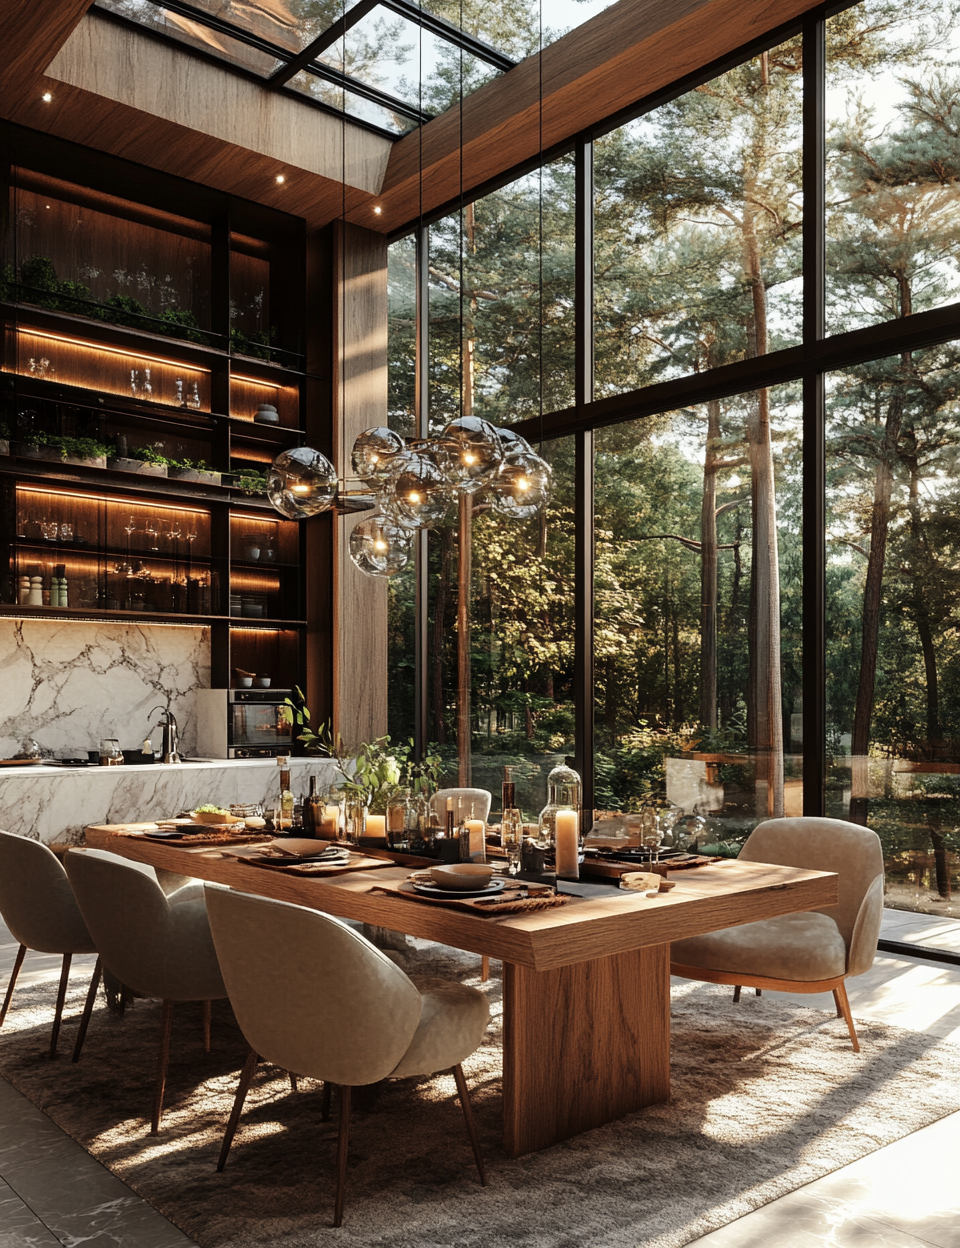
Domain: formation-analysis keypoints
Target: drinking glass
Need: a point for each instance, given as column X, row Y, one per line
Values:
column 650, row 833
column 49, row 529
column 66, row 532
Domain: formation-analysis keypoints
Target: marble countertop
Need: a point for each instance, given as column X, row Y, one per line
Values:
column 207, row 764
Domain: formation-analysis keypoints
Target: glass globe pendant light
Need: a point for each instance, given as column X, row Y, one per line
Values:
column 418, row 491
column 301, row 483
column 380, row 548
column 373, row 454
column 475, row 451
column 521, row 486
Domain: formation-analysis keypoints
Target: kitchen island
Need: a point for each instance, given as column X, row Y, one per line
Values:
column 53, row 804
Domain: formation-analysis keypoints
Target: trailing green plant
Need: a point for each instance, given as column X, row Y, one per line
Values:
column 195, row 465
column 38, row 284
column 4, row 430
column 257, row 345
column 148, row 454
column 251, row 482
column 74, row 448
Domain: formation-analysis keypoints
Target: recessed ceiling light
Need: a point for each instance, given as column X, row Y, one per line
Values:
column 377, row 209
column 46, row 97
column 281, row 178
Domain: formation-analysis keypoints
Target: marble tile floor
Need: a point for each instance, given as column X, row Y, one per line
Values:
column 902, row 1196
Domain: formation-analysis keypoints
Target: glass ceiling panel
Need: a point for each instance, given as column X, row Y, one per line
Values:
column 174, row 25
column 334, row 96
column 515, row 28
column 386, row 51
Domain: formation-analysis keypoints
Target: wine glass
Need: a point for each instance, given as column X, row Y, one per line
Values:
column 668, row 814
column 650, row 833
column 152, row 535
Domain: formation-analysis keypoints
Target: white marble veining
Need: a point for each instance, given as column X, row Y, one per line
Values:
column 55, row 804
column 69, row 683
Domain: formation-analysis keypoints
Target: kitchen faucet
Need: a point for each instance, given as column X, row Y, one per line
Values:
column 170, row 747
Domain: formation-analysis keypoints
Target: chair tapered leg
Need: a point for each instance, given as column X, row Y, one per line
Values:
column 736, row 994
column 836, row 1001
column 87, row 1010
column 759, row 992
column 61, row 995
column 249, row 1066
column 471, row 1125
column 840, row 995
column 166, row 1021
column 325, row 1103
column 21, row 954
column 293, row 1081
column 207, row 1011
column 484, row 969
column 343, row 1143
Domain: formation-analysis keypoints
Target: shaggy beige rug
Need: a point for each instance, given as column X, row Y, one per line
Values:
column 766, row 1097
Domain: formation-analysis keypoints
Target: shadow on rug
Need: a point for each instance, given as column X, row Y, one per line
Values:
column 766, row 1097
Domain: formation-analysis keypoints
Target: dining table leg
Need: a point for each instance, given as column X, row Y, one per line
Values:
column 583, row 1045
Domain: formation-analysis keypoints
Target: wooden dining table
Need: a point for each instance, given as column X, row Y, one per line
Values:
column 586, row 1014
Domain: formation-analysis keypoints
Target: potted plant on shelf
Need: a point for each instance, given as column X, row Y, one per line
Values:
column 250, row 482
column 146, row 460
column 86, row 452
column 187, row 470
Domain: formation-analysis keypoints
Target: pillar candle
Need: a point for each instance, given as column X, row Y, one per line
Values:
column 568, row 845
column 376, row 826
column 330, row 822
column 478, row 847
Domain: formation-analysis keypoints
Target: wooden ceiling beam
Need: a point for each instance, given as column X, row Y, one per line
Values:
column 624, row 54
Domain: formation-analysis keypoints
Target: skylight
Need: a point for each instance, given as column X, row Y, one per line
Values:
column 391, row 64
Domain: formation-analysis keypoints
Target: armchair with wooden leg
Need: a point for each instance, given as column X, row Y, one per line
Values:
column 314, row 997
column 813, row 951
column 158, row 944
column 38, row 906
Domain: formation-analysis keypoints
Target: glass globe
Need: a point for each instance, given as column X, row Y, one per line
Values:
column 521, row 486
column 301, row 483
column 510, row 441
column 380, row 548
column 417, row 492
column 475, row 451
column 373, row 454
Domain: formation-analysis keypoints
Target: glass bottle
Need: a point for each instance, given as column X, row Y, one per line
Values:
column 286, row 797
column 312, row 816
column 403, row 822
column 564, row 792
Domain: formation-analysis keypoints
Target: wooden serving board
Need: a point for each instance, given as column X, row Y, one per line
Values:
column 510, row 901
column 316, row 870
column 612, row 869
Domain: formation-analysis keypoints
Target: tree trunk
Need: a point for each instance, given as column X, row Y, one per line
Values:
column 872, row 602
column 464, row 568
column 440, row 634
column 765, row 715
column 708, row 571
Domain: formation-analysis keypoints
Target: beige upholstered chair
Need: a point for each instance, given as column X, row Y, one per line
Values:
column 157, row 943
column 463, row 800
column 38, row 907
column 314, row 997
column 812, row 951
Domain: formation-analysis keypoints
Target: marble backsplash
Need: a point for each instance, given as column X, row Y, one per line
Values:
column 68, row 684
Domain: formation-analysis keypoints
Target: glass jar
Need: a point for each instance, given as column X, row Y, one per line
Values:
column 110, row 753
column 355, row 818
column 403, row 822
column 564, row 792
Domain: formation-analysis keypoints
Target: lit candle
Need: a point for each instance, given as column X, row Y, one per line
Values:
column 568, row 844
column 478, row 847
column 376, row 827
column 330, row 821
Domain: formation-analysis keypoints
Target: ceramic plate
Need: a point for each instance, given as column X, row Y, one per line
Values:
column 429, row 890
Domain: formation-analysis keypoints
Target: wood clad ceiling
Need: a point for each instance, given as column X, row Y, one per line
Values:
column 119, row 91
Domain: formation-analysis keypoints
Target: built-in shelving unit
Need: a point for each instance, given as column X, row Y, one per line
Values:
column 134, row 333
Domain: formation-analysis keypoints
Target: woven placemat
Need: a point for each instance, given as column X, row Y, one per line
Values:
column 539, row 897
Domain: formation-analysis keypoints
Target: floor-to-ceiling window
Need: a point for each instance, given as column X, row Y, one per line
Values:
column 730, row 320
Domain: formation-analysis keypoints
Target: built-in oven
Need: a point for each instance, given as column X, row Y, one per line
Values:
column 257, row 723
